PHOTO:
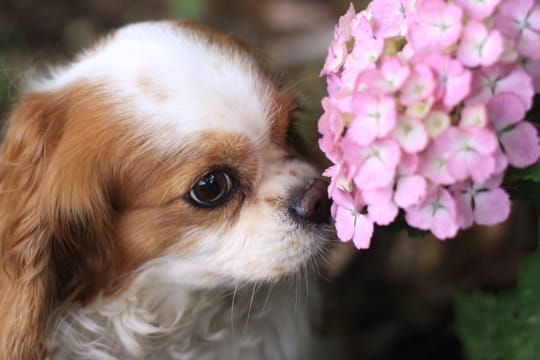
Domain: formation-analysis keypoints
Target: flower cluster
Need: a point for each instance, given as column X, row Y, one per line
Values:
column 424, row 113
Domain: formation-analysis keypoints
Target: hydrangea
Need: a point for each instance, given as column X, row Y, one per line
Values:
column 425, row 111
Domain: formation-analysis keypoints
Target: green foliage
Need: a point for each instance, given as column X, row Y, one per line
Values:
column 189, row 9
column 504, row 326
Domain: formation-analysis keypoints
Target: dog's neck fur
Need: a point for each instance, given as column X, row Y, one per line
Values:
column 251, row 322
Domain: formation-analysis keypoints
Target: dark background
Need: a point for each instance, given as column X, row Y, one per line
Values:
column 391, row 302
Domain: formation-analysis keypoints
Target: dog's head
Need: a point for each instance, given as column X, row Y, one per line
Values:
column 163, row 147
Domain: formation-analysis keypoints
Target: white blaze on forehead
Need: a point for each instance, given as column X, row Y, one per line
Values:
column 170, row 77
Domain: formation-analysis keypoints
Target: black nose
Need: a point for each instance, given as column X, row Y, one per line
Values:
column 311, row 204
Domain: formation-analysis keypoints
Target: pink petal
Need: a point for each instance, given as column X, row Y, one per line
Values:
column 362, row 132
column 521, row 145
column 337, row 52
column 466, row 163
column 378, row 196
column 410, row 190
column 464, row 210
column 453, row 80
column 394, row 71
column 478, row 47
column 433, row 165
column 533, row 69
column 457, row 87
column 436, row 213
column 344, row 222
column 501, row 78
column 519, row 83
column 388, row 152
column 528, row 42
column 478, row 9
column 436, row 123
column 505, row 109
column 363, row 231
column 389, row 17
column 435, row 24
column 511, row 15
column 343, row 199
column 410, row 134
column 481, row 140
column 444, row 224
column 375, row 117
column 473, row 115
column 373, row 174
column 344, row 27
column 408, row 164
column 419, row 217
column 501, row 162
column 367, row 48
column 383, row 214
column 418, row 86
column 491, row 207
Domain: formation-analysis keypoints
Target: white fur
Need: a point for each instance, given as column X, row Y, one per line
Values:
column 185, row 69
column 200, row 306
column 252, row 322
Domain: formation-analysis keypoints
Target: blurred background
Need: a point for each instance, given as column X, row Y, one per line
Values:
column 391, row 302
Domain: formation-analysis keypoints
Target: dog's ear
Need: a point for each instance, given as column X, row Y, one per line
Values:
column 55, row 223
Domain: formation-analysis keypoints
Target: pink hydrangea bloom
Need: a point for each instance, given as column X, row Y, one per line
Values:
column 419, row 86
column 437, row 213
column 501, row 78
column 388, row 78
column 435, row 24
column 351, row 224
column 520, row 21
column 367, row 48
column 425, row 112
column 390, row 17
column 410, row 190
column 375, row 117
column 478, row 46
column 519, row 139
column 453, row 80
column 381, row 208
column 469, row 152
column 473, row 115
column 374, row 165
column 410, row 134
column 482, row 203
column 337, row 53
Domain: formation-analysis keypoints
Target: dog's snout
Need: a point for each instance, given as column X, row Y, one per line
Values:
column 312, row 204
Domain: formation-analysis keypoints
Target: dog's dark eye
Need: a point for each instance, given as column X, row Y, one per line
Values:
column 212, row 190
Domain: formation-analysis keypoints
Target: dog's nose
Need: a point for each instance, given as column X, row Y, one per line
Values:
column 312, row 204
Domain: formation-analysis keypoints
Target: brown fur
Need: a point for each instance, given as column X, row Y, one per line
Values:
column 84, row 202
column 85, row 199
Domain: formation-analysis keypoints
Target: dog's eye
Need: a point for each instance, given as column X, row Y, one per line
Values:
column 212, row 190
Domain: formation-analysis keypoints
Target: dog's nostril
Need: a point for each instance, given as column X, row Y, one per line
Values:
column 313, row 205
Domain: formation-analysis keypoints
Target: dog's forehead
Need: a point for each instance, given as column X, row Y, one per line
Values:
column 173, row 77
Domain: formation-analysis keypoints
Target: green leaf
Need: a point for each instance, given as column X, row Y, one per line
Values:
column 189, row 9
column 531, row 173
column 504, row 326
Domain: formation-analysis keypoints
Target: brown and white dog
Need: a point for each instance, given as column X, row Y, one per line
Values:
column 146, row 191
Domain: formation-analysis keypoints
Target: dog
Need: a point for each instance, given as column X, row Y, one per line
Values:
column 149, row 202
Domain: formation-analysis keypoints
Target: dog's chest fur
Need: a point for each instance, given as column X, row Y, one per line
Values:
column 249, row 323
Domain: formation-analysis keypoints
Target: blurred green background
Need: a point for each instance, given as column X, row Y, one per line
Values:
column 393, row 302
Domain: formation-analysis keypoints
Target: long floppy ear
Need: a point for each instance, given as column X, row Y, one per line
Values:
column 55, row 221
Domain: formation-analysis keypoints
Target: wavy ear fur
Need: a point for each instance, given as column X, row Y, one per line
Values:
column 55, row 222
